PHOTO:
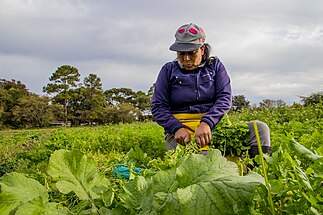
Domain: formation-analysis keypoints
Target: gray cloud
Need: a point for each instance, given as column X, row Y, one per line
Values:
column 271, row 49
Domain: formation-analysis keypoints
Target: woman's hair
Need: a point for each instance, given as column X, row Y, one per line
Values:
column 207, row 52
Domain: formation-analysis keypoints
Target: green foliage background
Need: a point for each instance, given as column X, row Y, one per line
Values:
column 295, row 169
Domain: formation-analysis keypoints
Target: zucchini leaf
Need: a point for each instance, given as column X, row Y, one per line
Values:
column 198, row 185
column 303, row 153
column 76, row 172
column 40, row 206
column 16, row 189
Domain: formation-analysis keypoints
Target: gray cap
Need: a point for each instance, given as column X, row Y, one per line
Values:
column 188, row 37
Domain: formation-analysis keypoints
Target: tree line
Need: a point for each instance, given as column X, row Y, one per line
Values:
column 70, row 101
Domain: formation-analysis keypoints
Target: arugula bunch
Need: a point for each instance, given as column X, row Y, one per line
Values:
column 231, row 138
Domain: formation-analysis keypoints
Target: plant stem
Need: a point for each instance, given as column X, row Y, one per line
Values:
column 270, row 200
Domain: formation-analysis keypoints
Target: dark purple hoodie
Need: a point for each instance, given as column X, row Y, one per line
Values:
column 206, row 89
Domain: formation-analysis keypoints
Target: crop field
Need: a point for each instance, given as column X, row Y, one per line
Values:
column 125, row 169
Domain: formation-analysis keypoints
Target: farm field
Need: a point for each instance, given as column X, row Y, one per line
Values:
column 125, row 169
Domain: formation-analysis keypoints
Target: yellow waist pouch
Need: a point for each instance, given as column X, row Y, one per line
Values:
column 190, row 121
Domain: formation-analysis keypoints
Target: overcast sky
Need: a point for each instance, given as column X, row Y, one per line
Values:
column 271, row 49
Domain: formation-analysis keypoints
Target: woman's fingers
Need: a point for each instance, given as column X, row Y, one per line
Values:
column 203, row 134
column 203, row 139
column 182, row 136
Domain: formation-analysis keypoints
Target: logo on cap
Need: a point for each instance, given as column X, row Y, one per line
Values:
column 189, row 37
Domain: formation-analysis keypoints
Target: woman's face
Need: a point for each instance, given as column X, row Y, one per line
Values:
column 190, row 60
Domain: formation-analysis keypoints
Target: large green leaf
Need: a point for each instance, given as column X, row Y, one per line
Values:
column 76, row 172
column 303, row 153
column 134, row 192
column 40, row 206
column 201, row 185
column 16, row 189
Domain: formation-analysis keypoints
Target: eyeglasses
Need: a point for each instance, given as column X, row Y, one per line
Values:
column 190, row 53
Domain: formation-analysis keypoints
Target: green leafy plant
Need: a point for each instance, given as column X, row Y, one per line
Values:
column 295, row 176
column 209, row 183
column 231, row 138
column 194, row 180
column 294, row 170
column 75, row 172
column 22, row 195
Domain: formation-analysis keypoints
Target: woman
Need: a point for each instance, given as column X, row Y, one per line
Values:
column 193, row 92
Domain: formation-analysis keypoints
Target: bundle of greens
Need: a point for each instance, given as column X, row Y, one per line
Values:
column 230, row 138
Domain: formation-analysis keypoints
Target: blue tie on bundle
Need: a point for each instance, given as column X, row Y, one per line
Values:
column 123, row 171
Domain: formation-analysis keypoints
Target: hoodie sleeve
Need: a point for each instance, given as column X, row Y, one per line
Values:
column 223, row 96
column 160, row 101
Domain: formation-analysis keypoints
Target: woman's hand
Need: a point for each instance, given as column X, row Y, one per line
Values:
column 203, row 134
column 182, row 136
